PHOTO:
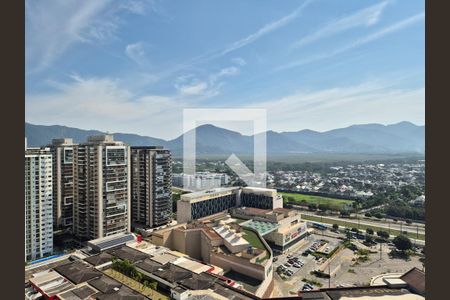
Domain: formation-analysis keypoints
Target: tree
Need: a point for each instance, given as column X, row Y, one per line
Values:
column 354, row 229
column 378, row 215
column 369, row 239
column 345, row 213
column 368, row 214
column 312, row 206
column 323, row 207
column 402, row 243
column 348, row 235
column 408, row 221
column 383, row 234
column 335, row 226
column 369, row 231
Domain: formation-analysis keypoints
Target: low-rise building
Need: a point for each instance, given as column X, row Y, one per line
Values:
column 281, row 228
column 217, row 240
column 201, row 204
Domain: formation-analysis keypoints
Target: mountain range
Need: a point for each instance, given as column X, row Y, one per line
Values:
column 403, row 137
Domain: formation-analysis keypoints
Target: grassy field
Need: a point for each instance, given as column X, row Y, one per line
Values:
column 134, row 285
column 253, row 239
column 316, row 199
column 362, row 227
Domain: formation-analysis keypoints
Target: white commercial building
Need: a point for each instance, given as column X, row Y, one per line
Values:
column 200, row 181
column 38, row 203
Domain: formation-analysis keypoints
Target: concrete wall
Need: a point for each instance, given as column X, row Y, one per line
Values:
column 183, row 211
column 188, row 242
column 231, row 262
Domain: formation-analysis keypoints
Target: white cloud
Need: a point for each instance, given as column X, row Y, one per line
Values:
column 103, row 104
column 364, row 40
column 136, row 52
column 190, row 85
column 225, row 72
column 364, row 17
column 266, row 29
column 196, row 88
column 52, row 27
column 370, row 102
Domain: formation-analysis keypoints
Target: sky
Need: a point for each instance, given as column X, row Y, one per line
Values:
column 133, row 65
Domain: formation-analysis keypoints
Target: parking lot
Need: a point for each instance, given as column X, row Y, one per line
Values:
column 293, row 266
column 345, row 268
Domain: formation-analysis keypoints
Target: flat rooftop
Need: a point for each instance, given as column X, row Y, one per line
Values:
column 191, row 265
column 164, row 258
column 112, row 241
column 207, row 194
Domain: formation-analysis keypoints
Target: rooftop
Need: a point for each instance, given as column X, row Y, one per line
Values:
column 203, row 195
column 78, row 272
column 78, row 293
column 148, row 265
column 127, row 253
column 111, row 241
column 99, row 259
column 50, row 282
column 230, row 236
column 172, row 273
column 164, row 258
column 415, row 279
column 201, row 281
column 262, row 227
column 191, row 265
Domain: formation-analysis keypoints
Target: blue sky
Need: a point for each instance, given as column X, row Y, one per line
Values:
column 133, row 66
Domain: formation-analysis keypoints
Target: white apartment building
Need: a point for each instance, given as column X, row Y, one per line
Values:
column 38, row 203
column 102, row 198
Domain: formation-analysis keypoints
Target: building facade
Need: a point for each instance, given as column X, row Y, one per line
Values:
column 261, row 198
column 201, row 204
column 38, row 203
column 62, row 153
column 151, row 186
column 197, row 205
column 101, row 188
column 200, row 181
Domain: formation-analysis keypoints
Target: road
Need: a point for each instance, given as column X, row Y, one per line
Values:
column 381, row 224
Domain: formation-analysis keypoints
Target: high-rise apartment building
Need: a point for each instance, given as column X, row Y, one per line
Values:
column 62, row 152
column 151, row 185
column 38, row 203
column 102, row 187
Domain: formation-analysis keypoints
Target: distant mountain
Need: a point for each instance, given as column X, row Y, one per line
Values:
column 39, row 135
column 403, row 137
